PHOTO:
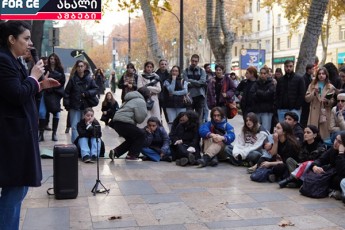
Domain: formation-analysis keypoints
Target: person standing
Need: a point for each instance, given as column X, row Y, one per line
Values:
column 99, row 79
column 290, row 92
column 113, row 81
column 209, row 74
column 79, row 87
column 196, row 78
column 20, row 164
column 163, row 74
column 307, row 77
column 128, row 81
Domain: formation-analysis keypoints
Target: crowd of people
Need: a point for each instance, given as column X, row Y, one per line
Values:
column 293, row 125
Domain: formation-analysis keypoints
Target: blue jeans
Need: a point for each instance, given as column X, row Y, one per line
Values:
column 85, row 149
column 173, row 112
column 42, row 111
column 265, row 120
column 153, row 154
column 281, row 113
column 10, row 203
column 75, row 117
column 342, row 186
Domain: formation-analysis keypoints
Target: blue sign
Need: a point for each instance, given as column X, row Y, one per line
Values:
column 252, row 57
column 341, row 58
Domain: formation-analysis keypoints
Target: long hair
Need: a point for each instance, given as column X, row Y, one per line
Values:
column 253, row 118
column 290, row 137
column 316, row 79
column 179, row 71
column 316, row 131
column 254, row 71
column 112, row 100
column 58, row 65
column 219, row 110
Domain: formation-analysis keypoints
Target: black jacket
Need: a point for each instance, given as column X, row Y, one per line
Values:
column 76, row 86
column 262, row 95
column 84, row 131
column 162, row 77
column 332, row 159
column 243, row 89
column 290, row 92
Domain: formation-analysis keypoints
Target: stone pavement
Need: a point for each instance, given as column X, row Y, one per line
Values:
column 150, row 195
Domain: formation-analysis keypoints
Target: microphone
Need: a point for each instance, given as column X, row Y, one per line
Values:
column 34, row 54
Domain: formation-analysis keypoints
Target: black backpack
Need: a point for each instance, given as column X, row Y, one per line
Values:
column 317, row 185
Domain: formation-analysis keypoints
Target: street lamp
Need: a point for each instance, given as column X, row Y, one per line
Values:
column 180, row 21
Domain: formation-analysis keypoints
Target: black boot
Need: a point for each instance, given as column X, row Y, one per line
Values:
column 286, row 181
column 213, row 162
column 55, row 126
column 41, row 126
column 204, row 161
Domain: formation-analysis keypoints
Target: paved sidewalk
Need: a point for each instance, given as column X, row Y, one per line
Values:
column 150, row 195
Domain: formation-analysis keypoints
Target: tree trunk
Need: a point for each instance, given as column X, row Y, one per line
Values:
column 151, row 31
column 216, row 28
column 311, row 34
column 37, row 35
column 325, row 36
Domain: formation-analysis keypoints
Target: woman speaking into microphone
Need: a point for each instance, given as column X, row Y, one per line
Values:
column 20, row 164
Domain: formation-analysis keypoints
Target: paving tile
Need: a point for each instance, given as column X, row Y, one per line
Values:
column 143, row 215
column 265, row 197
column 310, row 222
column 49, row 218
column 136, row 187
column 108, row 205
column 242, row 223
column 165, row 227
column 161, row 198
column 320, row 206
column 244, row 205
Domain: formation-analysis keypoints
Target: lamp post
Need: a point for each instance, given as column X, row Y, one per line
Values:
column 272, row 38
column 180, row 21
column 129, row 38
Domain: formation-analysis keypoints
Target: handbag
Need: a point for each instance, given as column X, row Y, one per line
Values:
column 187, row 100
column 92, row 101
column 149, row 103
column 231, row 109
column 52, row 102
column 261, row 174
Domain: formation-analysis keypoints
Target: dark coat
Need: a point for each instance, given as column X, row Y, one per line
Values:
column 158, row 140
column 84, row 131
column 53, row 96
column 262, row 95
column 76, row 85
column 20, row 163
column 163, row 76
column 243, row 89
column 290, row 92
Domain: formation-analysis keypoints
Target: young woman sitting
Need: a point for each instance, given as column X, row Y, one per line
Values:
column 109, row 108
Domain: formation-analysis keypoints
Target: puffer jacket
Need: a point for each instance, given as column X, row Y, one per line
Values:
column 262, row 95
column 158, row 139
column 76, row 86
column 209, row 127
column 133, row 110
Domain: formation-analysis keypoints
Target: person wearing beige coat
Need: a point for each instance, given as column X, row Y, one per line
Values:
column 151, row 80
column 320, row 95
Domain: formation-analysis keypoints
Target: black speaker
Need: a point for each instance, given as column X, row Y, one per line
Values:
column 65, row 171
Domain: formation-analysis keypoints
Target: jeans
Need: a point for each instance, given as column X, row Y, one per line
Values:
column 265, row 120
column 75, row 117
column 10, row 203
column 173, row 112
column 150, row 153
column 87, row 150
column 342, row 186
column 281, row 113
column 42, row 111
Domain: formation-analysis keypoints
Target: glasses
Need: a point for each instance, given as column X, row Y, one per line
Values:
column 342, row 101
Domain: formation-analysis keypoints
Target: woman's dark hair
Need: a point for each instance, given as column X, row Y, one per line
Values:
column 145, row 92
column 89, row 109
column 58, row 65
column 289, row 135
column 100, row 71
column 219, row 66
column 251, row 116
column 193, row 120
column 149, row 63
column 279, row 70
column 14, row 28
column 333, row 73
column 177, row 120
column 179, row 70
column 316, row 79
column 131, row 65
column 217, row 109
column 105, row 101
column 316, row 131
column 155, row 120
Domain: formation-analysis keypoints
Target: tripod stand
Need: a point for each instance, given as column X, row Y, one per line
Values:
column 98, row 181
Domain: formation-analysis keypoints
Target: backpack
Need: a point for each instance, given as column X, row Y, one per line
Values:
column 317, row 185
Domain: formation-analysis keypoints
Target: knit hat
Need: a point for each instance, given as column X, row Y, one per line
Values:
column 293, row 115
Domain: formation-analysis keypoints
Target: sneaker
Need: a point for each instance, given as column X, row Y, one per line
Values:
column 252, row 169
column 112, row 154
column 336, row 194
column 191, row 158
column 93, row 158
column 166, row 158
column 86, row 159
column 132, row 158
column 178, row 162
column 184, row 161
column 272, row 178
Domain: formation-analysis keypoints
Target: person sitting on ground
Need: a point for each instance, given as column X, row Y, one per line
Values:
column 337, row 121
column 125, row 121
column 156, row 146
column 292, row 119
column 109, row 108
column 86, row 133
column 216, row 134
column 248, row 144
column 312, row 148
column 285, row 146
column 185, row 139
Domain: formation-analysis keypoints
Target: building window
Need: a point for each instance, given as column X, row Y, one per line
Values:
column 268, row 45
column 342, row 32
column 250, row 25
column 289, row 42
column 250, row 45
column 299, row 39
column 258, row 6
column 268, row 19
column 259, row 28
column 279, row 20
column 250, row 6
column 278, row 43
column 235, row 51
